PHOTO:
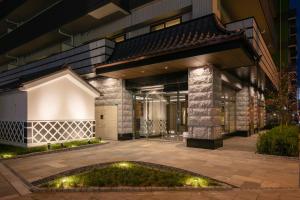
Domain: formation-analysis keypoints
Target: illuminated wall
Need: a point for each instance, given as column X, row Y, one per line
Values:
column 55, row 110
column 13, row 106
column 60, row 100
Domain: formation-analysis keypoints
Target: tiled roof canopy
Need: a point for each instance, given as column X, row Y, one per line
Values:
column 192, row 34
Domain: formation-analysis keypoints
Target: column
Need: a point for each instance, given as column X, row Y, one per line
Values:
column 243, row 111
column 113, row 92
column 204, row 108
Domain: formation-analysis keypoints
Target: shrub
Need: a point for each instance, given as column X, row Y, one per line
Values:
column 282, row 141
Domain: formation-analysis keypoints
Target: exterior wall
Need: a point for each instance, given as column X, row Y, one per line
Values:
column 149, row 13
column 242, row 109
column 41, row 54
column 113, row 92
column 60, row 100
column 59, row 111
column 139, row 20
column 254, row 95
column 138, row 32
column 250, row 110
column 13, row 106
column 205, row 7
column 263, row 114
column 81, row 59
column 13, row 113
column 55, row 112
column 204, row 103
column 253, row 34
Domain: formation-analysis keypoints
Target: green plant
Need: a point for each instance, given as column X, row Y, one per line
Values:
column 130, row 174
column 9, row 151
column 281, row 140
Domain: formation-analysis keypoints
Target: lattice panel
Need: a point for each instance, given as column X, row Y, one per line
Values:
column 148, row 126
column 59, row 131
column 12, row 131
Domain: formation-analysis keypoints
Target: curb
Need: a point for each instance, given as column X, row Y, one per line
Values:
column 54, row 151
column 35, row 185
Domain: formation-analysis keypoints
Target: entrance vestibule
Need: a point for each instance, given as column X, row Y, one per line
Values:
column 159, row 113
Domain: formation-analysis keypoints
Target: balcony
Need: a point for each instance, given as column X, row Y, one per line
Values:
column 262, row 10
column 81, row 59
column 254, row 36
column 70, row 16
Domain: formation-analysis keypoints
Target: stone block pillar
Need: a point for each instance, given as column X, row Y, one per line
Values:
column 250, row 111
column 255, row 99
column 243, row 111
column 262, row 105
column 113, row 92
column 204, row 107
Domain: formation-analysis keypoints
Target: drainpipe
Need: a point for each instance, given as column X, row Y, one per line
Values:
column 17, row 24
column 14, row 58
column 67, row 35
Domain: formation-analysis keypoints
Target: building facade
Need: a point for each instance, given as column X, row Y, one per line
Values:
column 175, row 69
column 292, row 62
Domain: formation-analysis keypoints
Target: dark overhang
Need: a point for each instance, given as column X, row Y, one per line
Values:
column 7, row 6
column 176, row 78
column 61, row 13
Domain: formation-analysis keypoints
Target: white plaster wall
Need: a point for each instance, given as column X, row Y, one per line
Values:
column 13, row 106
column 60, row 100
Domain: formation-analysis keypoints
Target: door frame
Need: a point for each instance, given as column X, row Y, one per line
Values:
column 108, row 105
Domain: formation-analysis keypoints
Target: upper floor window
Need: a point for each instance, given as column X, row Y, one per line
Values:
column 166, row 24
column 173, row 22
column 119, row 38
column 158, row 27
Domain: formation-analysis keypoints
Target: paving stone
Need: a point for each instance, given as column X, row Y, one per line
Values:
column 229, row 164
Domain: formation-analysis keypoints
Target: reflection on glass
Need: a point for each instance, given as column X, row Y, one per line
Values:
column 160, row 114
column 228, row 110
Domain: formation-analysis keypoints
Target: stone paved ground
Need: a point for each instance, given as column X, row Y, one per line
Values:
column 205, row 195
column 6, row 189
column 236, row 163
column 242, row 168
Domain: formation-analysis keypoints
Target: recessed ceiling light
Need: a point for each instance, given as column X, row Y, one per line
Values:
column 166, row 67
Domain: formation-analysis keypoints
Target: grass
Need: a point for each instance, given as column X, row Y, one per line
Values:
column 130, row 174
column 9, row 151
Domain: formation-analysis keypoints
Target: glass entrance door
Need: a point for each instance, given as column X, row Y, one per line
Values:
column 160, row 114
column 228, row 102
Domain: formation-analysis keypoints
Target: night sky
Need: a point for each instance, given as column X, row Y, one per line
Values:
column 296, row 4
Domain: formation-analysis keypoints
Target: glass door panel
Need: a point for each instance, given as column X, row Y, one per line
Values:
column 160, row 114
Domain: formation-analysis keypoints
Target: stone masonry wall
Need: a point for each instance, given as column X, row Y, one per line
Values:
column 242, row 109
column 254, row 95
column 113, row 92
column 262, row 104
column 204, row 105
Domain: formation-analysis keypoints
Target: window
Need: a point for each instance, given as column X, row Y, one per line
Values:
column 120, row 38
column 158, row 27
column 173, row 22
column 166, row 24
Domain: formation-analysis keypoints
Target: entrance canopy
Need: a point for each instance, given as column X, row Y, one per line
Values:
column 190, row 44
